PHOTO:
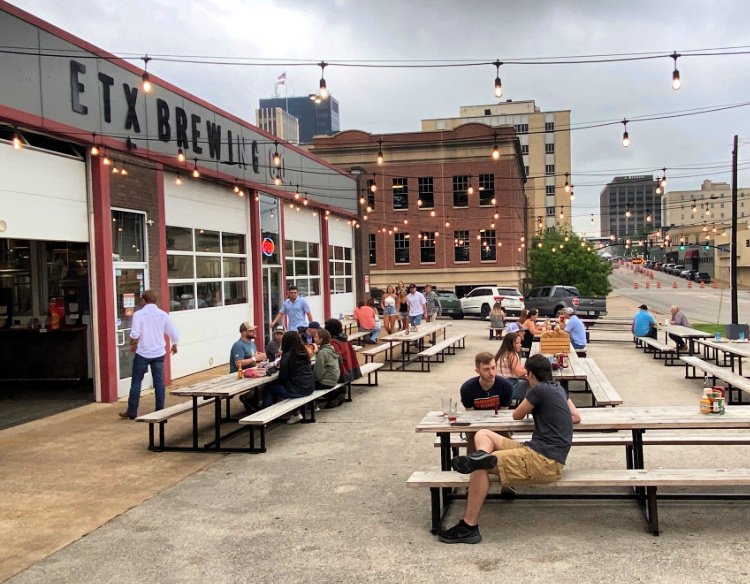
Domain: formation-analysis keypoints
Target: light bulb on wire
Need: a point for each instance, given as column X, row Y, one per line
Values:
column 323, row 87
column 380, row 152
column 676, row 83
column 625, row 135
column 498, row 82
column 145, row 79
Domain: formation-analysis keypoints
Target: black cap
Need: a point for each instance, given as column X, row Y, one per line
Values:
column 643, row 307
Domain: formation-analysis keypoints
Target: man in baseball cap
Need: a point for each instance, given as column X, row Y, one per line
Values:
column 274, row 346
column 575, row 328
column 244, row 352
column 644, row 324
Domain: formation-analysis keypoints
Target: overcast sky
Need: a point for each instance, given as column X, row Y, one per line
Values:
column 386, row 100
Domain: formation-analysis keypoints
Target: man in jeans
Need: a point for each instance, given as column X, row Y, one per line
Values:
column 540, row 460
column 432, row 302
column 296, row 309
column 150, row 325
column 417, row 306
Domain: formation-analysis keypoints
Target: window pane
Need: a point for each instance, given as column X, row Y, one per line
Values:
column 348, row 269
column 288, row 248
column 209, row 294
column 128, row 236
column 15, row 257
column 300, row 268
column 234, row 267
column 315, row 287
column 181, row 297
column 313, row 249
column 180, row 267
column 179, row 239
column 314, row 267
column 208, row 266
column 235, row 292
column 290, row 268
column 233, row 243
column 303, row 286
column 331, row 252
column 349, row 285
column 300, row 249
column 207, row 241
column 348, row 253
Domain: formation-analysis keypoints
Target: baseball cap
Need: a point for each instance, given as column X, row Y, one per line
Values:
column 314, row 325
column 512, row 328
column 569, row 310
column 246, row 326
column 643, row 307
column 278, row 329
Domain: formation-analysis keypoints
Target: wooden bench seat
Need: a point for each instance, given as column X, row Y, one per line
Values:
column 660, row 350
column 358, row 337
column 261, row 418
column 602, row 391
column 162, row 416
column 373, row 351
column 496, row 333
column 637, row 480
column 369, row 369
column 439, row 350
column 736, row 383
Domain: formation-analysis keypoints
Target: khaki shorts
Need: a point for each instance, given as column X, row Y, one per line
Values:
column 517, row 464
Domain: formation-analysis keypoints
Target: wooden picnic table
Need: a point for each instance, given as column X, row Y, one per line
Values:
column 430, row 329
column 736, row 351
column 635, row 419
column 685, row 332
column 224, row 387
column 573, row 372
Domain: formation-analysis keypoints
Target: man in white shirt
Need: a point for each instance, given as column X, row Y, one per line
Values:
column 417, row 306
column 150, row 325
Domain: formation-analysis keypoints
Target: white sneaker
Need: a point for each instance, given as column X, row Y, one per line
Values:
column 295, row 419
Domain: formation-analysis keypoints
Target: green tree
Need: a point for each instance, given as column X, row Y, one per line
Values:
column 557, row 258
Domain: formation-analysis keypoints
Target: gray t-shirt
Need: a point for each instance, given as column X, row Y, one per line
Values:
column 553, row 423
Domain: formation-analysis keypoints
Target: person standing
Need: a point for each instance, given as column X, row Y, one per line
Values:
column 388, row 303
column 433, row 303
column 574, row 327
column 403, row 309
column 244, row 352
column 296, row 309
column 149, row 327
column 538, row 461
column 417, row 306
column 678, row 319
column 644, row 325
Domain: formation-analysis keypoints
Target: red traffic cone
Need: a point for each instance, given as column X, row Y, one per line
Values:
column 635, row 285
column 674, row 284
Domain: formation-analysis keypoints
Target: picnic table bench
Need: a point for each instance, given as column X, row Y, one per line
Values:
column 636, row 480
column 371, row 371
column 358, row 337
column 373, row 351
column 736, row 383
column 659, row 350
column 439, row 350
column 161, row 417
column 602, row 391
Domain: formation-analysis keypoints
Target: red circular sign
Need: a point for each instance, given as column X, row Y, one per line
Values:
column 268, row 246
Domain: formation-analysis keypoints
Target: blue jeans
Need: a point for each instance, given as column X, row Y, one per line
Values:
column 140, row 366
column 415, row 320
column 520, row 387
column 274, row 390
column 577, row 346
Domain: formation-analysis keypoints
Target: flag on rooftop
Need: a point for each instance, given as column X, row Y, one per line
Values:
column 281, row 79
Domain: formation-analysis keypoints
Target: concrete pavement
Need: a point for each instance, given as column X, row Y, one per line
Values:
column 85, row 502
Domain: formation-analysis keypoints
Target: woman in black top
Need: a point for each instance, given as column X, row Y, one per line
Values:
column 296, row 378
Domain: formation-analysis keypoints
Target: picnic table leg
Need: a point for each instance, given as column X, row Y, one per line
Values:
column 195, row 422
column 217, row 423
column 435, row 509
column 445, row 450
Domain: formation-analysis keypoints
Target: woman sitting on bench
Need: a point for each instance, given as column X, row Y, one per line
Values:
column 296, row 378
column 509, row 365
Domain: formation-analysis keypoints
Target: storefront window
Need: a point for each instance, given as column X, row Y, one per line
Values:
column 303, row 266
column 340, row 267
column 269, row 227
column 15, row 279
column 128, row 243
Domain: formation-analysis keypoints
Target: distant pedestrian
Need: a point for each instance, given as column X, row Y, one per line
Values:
column 417, row 306
column 296, row 309
column 149, row 327
column 390, row 313
column 644, row 325
column 433, row 303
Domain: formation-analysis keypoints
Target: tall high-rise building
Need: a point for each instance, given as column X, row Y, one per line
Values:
column 629, row 206
column 545, row 147
column 316, row 117
column 278, row 122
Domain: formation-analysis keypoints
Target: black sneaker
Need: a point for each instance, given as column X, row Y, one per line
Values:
column 461, row 533
column 479, row 460
column 247, row 401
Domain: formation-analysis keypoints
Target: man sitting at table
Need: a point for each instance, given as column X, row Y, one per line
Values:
column 644, row 325
column 540, row 460
column 244, row 352
column 574, row 327
column 678, row 319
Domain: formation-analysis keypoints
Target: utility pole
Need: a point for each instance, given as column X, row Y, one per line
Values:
column 733, row 241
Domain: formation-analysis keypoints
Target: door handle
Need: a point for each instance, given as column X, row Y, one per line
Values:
column 120, row 338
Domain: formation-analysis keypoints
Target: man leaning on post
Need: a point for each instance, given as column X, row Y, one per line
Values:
column 540, row 460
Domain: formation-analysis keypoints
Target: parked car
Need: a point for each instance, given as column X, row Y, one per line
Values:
column 479, row 301
column 703, row 277
column 450, row 305
column 666, row 267
column 676, row 269
column 658, row 266
column 684, row 273
column 691, row 274
column 549, row 300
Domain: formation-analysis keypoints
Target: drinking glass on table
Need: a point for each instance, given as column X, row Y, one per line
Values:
column 446, row 403
column 453, row 414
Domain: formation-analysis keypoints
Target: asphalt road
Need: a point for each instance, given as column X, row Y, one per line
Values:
column 707, row 304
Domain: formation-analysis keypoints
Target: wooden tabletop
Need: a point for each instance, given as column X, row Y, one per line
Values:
column 574, row 371
column 687, row 332
column 734, row 347
column 224, row 386
column 423, row 331
column 620, row 418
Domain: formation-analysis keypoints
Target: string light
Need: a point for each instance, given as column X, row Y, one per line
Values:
column 180, row 155
column 94, row 148
column 676, row 83
column 708, row 211
column 115, row 170
column 628, row 214
column 648, row 216
column 567, row 183
column 695, row 207
column 276, row 159
column 196, row 173
column 572, row 194
column 380, row 152
column 17, row 142
column 562, row 212
column 178, row 180
column 323, row 87
column 373, row 186
column 495, row 149
column 663, row 181
column 592, row 218
column 625, row 135
column 146, row 80
column 277, row 180
column 498, row 82
column 106, row 161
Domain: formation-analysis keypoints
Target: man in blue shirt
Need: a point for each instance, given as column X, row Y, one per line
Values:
column 296, row 309
column 244, row 352
column 574, row 327
column 644, row 325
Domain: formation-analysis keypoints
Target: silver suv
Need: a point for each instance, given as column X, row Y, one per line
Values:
column 480, row 301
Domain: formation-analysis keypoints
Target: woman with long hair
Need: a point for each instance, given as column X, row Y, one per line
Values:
column 296, row 378
column 508, row 358
column 403, row 310
column 388, row 302
column 532, row 329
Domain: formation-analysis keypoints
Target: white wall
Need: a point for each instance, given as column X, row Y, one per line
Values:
column 42, row 195
column 207, row 334
column 342, row 234
column 302, row 226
